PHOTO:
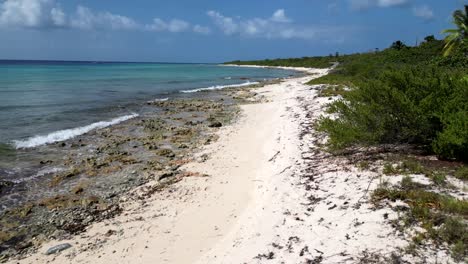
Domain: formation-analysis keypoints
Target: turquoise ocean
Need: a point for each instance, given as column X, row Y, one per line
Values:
column 48, row 101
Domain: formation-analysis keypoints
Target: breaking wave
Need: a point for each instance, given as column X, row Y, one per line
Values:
column 65, row 134
column 218, row 87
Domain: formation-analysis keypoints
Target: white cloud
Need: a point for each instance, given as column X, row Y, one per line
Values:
column 424, row 12
column 158, row 25
column 389, row 3
column 87, row 19
column 364, row 4
column 58, row 16
column 276, row 26
column 31, row 14
column 46, row 14
column 177, row 25
column 227, row 24
column 174, row 25
column 201, row 29
column 280, row 16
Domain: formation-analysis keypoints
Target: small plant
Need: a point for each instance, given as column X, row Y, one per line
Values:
column 461, row 173
column 389, row 169
column 411, row 166
column 438, row 178
column 459, row 251
column 419, row 238
column 411, row 249
column 452, row 229
column 407, row 183
column 363, row 165
column 441, row 216
column 332, row 90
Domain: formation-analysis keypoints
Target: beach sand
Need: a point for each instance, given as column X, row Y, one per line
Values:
column 264, row 192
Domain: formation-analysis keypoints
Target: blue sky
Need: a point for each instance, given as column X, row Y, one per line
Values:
column 212, row 30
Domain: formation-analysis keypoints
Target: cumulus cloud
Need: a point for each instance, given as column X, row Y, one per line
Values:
column 87, row 19
column 389, row 3
column 58, row 17
column 227, row 24
column 201, row 29
column 424, row 12
column 47, row 14
column 31, row 14
column 276, row 26
column 364, row 4
column 174, row 25
column 280, row 16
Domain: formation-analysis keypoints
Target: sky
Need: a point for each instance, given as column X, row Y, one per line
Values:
column 212, row 30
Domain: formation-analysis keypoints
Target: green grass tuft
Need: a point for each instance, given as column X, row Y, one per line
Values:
column 462, row 173
column 442, row 216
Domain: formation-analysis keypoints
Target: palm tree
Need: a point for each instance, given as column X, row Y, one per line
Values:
column 458, row 36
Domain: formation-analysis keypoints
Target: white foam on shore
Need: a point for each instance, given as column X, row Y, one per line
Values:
column 39, row 174
column 158, row 100
column 62, row 135
column 219, row 87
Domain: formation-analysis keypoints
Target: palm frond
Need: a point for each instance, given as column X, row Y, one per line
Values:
column 446, row 31
column 459, row 18
column 449, row 47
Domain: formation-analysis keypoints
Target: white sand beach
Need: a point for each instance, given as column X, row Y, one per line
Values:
column 265, row 194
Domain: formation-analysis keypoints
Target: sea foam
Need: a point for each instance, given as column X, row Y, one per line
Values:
column 65, row 134
column 218, row 87
column 158, row 100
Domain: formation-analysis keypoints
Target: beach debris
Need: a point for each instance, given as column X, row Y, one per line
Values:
column 58, row 248
column 5, row 184
column 215, row 124
column 270, row 255
column 166, row 153
column 274, row 156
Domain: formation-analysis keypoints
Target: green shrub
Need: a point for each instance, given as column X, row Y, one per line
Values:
column 438, row 178
column 452, row 141
column 460, row 250
column 411, row 166
column 441, row 216
column 389, row 169
column 461, row 173
column 415, row 105
column 363, row 165
column 452, row 229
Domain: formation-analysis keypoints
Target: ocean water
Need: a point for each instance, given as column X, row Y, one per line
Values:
column 45, row 101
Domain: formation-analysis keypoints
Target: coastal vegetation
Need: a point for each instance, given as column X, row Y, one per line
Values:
column 312, row 62
column 401, row 95
column 414, row 97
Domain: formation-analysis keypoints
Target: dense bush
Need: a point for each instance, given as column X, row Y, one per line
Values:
column 415, row 105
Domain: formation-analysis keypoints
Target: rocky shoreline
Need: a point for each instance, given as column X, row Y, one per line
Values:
column 86, row 178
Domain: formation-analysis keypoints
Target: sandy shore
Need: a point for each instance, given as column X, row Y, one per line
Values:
column 264, row 192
